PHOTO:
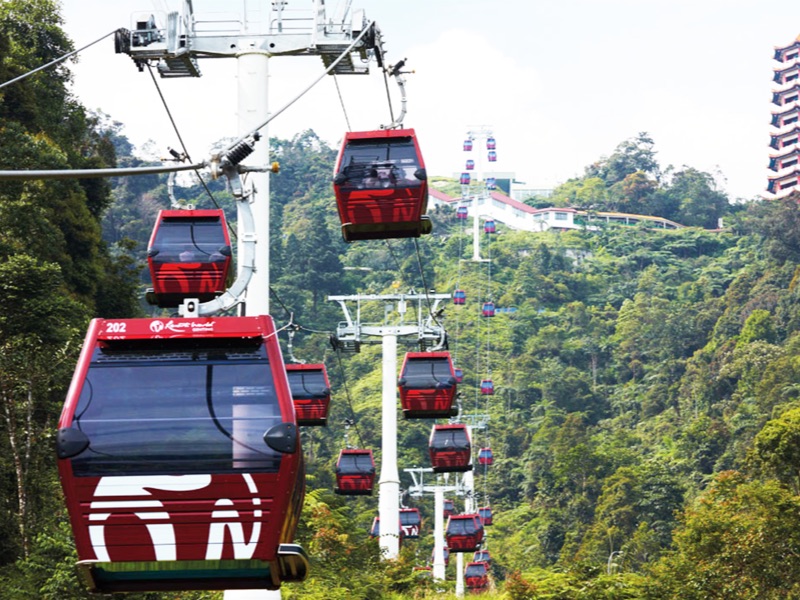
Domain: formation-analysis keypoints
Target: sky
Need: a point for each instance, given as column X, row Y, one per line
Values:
column 560, row 83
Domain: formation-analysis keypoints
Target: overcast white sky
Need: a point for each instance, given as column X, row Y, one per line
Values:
column 561, row 82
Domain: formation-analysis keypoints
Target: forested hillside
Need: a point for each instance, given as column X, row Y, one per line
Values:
column 646, row 416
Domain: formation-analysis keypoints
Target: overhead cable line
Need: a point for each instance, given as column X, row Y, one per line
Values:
column 55, row 62
column 341, row 101
column 349, row 402
column 183, row 145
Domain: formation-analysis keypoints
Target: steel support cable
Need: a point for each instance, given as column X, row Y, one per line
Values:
column 349, row 400
column 56, row 61
column 183, row 145
column 341, row 101
column 330, row 68
column 425, row 285
column 91, row 173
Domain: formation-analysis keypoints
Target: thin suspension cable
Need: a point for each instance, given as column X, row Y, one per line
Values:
column 341, row 101
column 307, row 89
column 425, row 284
column 56, row 61
column 349, row 402
column 388, row 96
column 94, row 173
column 183, row 146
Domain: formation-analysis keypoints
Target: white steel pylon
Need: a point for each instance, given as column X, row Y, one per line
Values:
column 349, row 337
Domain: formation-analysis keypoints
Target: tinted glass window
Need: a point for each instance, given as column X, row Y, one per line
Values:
column 450, row 439
column 188, row 412
column 355, row 464
column 307, row 384
column 475, row 571
column 189, row 240
column 380, row 163
column 427, row 372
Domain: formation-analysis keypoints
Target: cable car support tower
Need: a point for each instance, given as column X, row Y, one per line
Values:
column 430, row 335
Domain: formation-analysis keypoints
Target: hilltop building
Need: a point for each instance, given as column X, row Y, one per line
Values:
column 785, row 134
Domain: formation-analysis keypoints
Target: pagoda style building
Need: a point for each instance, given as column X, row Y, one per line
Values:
column 784, row 160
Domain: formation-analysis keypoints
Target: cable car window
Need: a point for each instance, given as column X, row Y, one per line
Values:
column 427, row 373
column 380, row 164
column 475, row 571
column 185, row 412
column 307, row 384
column 451, row 439
column 460, row 527
column 356, row 463
column 189, row 240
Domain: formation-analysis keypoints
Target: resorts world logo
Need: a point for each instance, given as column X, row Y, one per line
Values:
column 181, row 327
column 134, row 497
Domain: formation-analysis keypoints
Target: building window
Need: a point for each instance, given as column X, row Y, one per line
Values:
column 789, row 142
column 561, row 216
column 788, row 163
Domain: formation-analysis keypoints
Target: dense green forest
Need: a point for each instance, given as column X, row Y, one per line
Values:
column 646, row 419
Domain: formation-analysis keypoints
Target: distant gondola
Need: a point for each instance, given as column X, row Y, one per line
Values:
column 448, row 508
column 462, row 213
column 485, row 515
column 459, row 297
column 189, row 256
column 410, row 522
column 482, row 556
column 489, row 226
column 485, row 456
column 464, row 533
column 381, row 186
column 311, row 393
column 467, row 145
column 487, row 387
column 450, row 448
column 355, row 472
column 476, row 576
column 427, row 385
column 488, row 309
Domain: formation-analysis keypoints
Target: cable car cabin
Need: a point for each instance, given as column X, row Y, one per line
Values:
column 488, row 309
column 487, row 387
column 355, row 472
column 448, row 508
column 459, row 297
column 492, row 156
column 467, row 145
column 381, row 186
column 483, row 556
column 179, row 456
column 485, row 515
column 465, row 179
column 450, row 448
column 427, row 385
column 470, row 165
column 189, row 256
column 410, row 522
column 311, row 393
column 491, row 144
column 462, row 212
column 491, row 183
column 486, row 457
column 375, row 530
column 476, row 576
column 459, row 375
column 489, row 226
column 464, row 533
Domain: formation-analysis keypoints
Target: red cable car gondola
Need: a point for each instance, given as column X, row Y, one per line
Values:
column 485, row 515
column 487, row 387
column 491, row 183
column 492, row 156
column 450, row 448
column 465, row 179
column 410, row 522
column 491, row 144
column 462, row 212
column 179, row 456
column 489, row 226
column 467, row 145
column 459, row 297
column 470, row 165
column 189, row 255
column 483, row 556
column 427, row 385
column 476, row 576
column 355, row 472
column 459, row 375
column 311, row 393
column 488, row 309
column 448, row 508
column 464, row 533
column 486, row 457
column 375, row 530
column 381, row 186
